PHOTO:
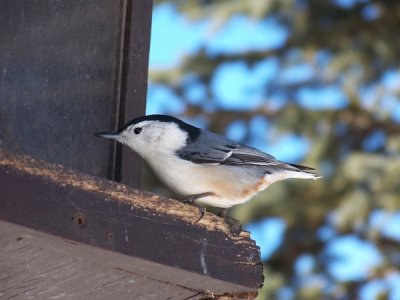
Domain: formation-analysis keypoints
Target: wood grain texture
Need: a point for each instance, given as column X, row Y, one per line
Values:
column 60, row 65
column 134, row 83
column 36, row 265
column 71, row 69
column 113, row 216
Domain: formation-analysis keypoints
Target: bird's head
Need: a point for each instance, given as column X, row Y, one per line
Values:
column 149, row 135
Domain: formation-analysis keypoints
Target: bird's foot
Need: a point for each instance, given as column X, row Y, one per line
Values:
column 234, row 225
column 192, row 201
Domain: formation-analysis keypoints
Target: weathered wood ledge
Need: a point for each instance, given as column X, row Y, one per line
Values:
column 113, row 216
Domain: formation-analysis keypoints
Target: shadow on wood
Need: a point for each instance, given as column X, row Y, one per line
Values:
column 113, row 216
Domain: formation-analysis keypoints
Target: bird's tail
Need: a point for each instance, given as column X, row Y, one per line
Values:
column 284, row 171
column 302, row 172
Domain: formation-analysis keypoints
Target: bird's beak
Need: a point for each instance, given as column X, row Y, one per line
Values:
column 108, row 135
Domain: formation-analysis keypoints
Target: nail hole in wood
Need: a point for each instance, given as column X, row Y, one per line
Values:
column 79, row 219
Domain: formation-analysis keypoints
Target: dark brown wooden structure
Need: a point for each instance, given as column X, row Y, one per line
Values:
column 113, row 216
column 69, row 69
column 42, row 266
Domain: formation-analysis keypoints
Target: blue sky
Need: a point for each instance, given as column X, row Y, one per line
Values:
column 236, row 86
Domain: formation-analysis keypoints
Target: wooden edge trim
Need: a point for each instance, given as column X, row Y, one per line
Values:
column 113, row 216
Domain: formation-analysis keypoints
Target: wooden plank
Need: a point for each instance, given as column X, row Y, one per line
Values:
column 113, row 216
column 60, row 62
column 80, row 66
column 134, row 83
column 41, row 266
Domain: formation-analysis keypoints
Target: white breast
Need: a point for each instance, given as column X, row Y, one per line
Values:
column 231, row 185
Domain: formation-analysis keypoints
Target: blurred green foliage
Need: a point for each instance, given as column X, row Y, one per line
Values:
column 360, row 50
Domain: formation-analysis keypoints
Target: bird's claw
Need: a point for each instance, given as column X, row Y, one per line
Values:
column 234, row 225
column 191, row 200
column 202, row 211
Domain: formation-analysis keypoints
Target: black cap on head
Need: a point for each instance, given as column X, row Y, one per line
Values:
column 192, row 131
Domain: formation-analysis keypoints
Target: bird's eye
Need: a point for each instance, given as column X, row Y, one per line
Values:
column 137, row 130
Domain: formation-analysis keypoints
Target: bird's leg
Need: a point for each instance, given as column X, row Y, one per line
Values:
column 234, row 225
column 192, row 200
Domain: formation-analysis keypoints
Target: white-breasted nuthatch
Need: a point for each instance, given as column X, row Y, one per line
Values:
column 201, row 165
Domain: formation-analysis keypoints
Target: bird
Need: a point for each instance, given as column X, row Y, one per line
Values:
column 206, row 168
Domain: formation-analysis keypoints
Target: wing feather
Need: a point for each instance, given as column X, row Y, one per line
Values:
column 211, row 148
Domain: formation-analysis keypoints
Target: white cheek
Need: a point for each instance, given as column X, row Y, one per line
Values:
column 155, row 141
column 143, row 144
column 172, row 138
column 134, row 143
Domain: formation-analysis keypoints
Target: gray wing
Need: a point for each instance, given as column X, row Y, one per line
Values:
column 211, row 148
